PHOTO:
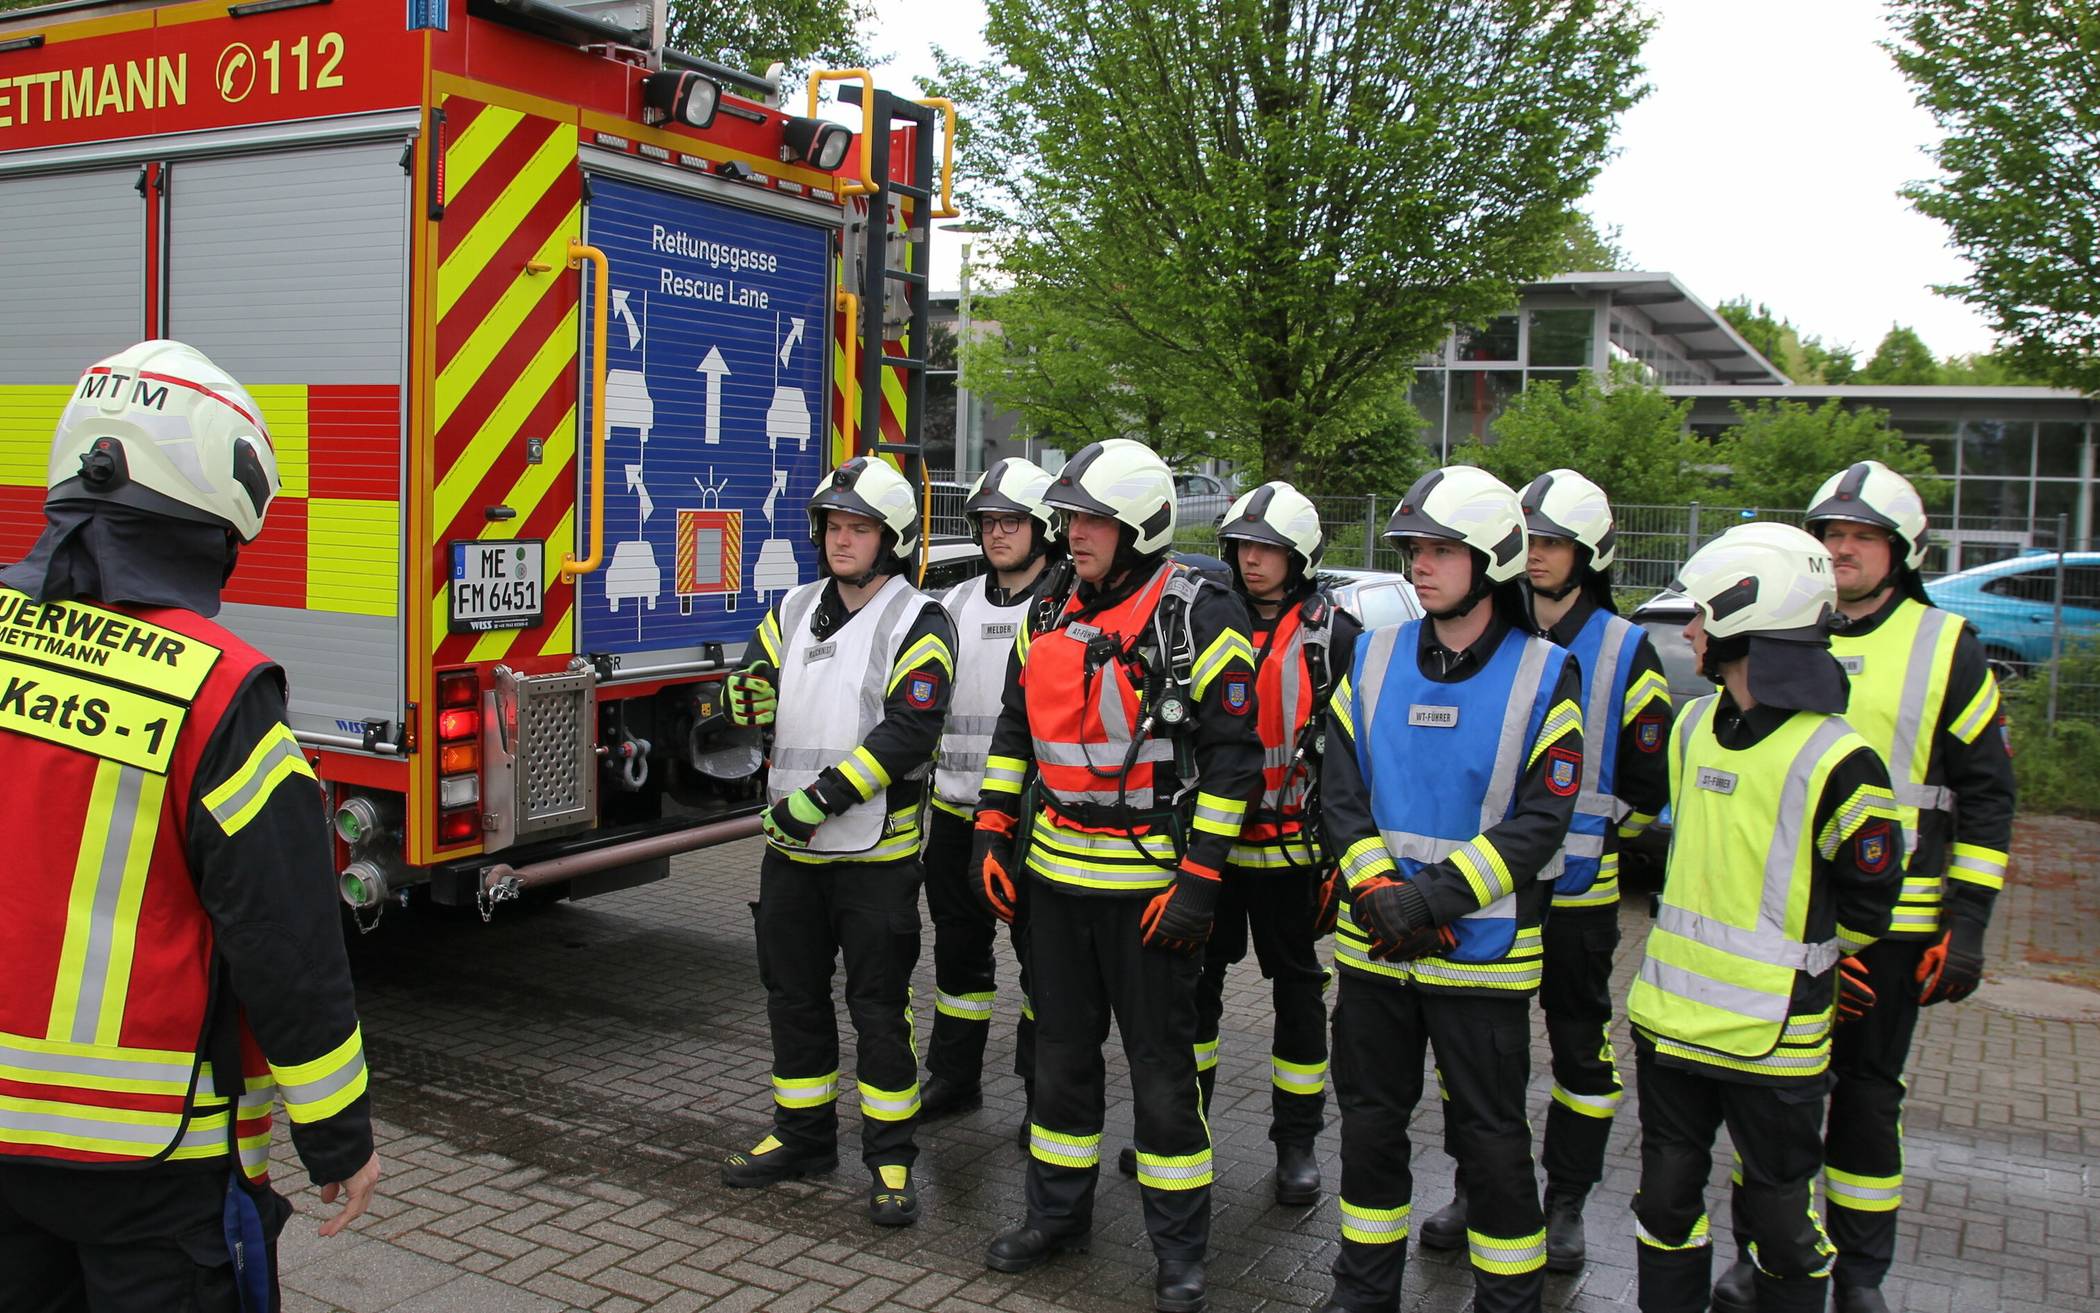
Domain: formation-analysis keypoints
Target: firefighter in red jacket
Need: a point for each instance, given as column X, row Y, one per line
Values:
column 1134, row 710
column 171, row 905
column 1280, row 888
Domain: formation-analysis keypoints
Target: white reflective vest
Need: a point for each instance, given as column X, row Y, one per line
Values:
column 831, row 695
column 984, row 643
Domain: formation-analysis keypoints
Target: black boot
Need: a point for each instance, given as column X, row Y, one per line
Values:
column 940, row 1098
column 770, row 1161
column 1126, row 1160
column 1446, row 1227
column 1736, row 1291
column 1857, row 1299
column 1297, row 1175
column 1565, row 1250
column 1024, row 1247
column 893, row 1200
column 1179, row 1286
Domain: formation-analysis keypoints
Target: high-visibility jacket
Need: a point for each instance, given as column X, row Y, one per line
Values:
column 1603, row 649
column 1109, row 779
column 1729, row 948
column 1899, row 674
column 105, row 717
column 984, row 637
column 1442, row 762
column 831, row 696
column 1279, row 835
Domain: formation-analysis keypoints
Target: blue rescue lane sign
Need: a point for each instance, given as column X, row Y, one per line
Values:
column 715, row 407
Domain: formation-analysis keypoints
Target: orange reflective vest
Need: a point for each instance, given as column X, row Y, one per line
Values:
column 1084, row 712
column 105, row 951
column 1284, row 700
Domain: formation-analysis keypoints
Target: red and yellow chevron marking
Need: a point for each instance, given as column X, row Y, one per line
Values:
column 505, row 357
column 332, row 539
column 728, row 571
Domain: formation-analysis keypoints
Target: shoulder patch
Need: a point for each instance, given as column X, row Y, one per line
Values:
column 1563, row 770
column 920, row 690
column 1648, row 732
column 1875, row 847
column 1239, row 694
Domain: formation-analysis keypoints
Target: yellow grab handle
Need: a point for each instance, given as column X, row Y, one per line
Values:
column 866, row 185
column 946, row 209
column 849, row 304
column 570, row 566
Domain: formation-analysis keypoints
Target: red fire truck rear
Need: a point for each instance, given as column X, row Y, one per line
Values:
column 555, row 331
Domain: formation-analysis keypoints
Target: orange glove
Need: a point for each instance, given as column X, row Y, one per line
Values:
column 991, row 853
column 1386, row 909
column 1180, row 919
column 1855, row 997
column 1326, row 901
column 1952, row 968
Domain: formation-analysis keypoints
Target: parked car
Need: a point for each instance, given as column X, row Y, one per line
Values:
column 2012, row 603
column 1374, row 597
column 1664, row 616
column 1201, row 500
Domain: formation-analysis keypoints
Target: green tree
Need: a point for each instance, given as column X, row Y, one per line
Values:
column 1803, row 359
column 1587, row 248
column 1779, row 452
column 2015, row 87
column 1902, row 358
column 1987, row 369
column 752, row 35
column 1244, row 220
column 1630, row 439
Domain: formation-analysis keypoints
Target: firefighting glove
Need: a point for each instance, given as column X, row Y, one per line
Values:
column 1326, row 901
column 1179, row 919
column 991, row 879
column 1952, row 968
column 1855, row 997
column 791, row 822
column 1395, row 916
column 750, row 698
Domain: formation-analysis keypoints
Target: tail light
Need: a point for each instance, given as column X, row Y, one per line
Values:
column 459, row 757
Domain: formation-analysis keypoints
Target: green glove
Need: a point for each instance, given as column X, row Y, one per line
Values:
column 750, row 699
column 791, row 822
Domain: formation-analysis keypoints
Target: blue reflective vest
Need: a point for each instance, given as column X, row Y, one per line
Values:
column 1604, row 650
column 1442, row 763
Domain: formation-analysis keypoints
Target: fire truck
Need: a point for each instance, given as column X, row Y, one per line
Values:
column 555, row 331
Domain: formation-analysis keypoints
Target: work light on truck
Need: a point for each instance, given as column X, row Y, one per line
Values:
column 819, row 143
column 680, row 94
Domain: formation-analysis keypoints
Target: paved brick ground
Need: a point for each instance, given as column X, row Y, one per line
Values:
column 557, row 1088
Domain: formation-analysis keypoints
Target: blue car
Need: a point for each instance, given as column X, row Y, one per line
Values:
column 2012, row 603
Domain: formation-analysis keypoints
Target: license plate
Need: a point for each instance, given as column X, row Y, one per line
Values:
column 497, row 585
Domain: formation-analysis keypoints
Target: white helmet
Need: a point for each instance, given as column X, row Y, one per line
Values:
column 1564, row 504
column 1125, row 481
column 1278, row 514
column 1466, row 504
column 160, row 427
column 871, row 487
column 1763, row 579
column 1869, row 492
column 1013, row 486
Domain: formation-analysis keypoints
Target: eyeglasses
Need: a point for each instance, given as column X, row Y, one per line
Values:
column 1001, row 523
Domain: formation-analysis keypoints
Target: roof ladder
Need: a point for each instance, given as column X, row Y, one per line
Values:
column 877, row 274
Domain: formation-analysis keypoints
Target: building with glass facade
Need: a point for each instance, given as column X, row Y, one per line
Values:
column 2018, row 456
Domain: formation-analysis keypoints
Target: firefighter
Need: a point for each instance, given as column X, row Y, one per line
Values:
column 171, row 909
column 1279, row 885
column 1924, row 697
column 1626, row 710
column 1134, row 710
column 1786, row 858
column 1018, row 531
column 1455, row 761
column 852, row 671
